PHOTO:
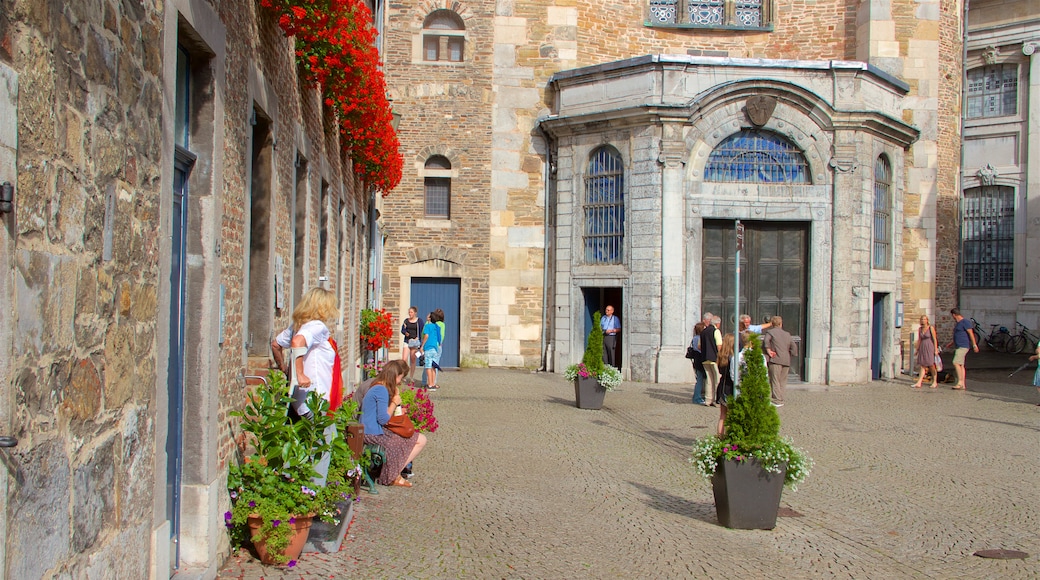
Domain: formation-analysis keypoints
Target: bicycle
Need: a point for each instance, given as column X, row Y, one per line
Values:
column 997, row 339
column 1018, row 342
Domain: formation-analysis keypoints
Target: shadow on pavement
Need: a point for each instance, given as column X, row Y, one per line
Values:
column 673, row 504
column 668, row 396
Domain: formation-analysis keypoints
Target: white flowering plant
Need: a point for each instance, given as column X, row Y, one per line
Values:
column 608, row 377
column 592, row 364
column 752, row 429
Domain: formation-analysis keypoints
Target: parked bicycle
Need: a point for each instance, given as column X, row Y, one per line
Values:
column 997, row 339
column 1018, row 342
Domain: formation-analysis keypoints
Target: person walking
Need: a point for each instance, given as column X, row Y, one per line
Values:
column 711, row 340
column 963, row 339
column 698, row 364
column 927, row 352
column 611, row 326
column 780, row 348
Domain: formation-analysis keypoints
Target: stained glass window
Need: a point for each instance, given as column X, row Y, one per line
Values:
column 663, row 11
column 707, row 13
column 988, row 237
column 882, row 214
column 604, row 207
column 752, row 14
column 993, row 91
column 752, row 156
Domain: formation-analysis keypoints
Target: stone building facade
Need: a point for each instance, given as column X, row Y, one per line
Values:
column 175, row 187
column 519, row 59
column 998, row 275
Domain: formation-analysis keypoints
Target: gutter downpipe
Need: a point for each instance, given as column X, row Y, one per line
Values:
column 960, row 173
column 545, row 346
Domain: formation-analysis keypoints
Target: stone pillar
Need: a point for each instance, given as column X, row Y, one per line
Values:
column 672, row 366
column 1031, row 298
column 841, row 360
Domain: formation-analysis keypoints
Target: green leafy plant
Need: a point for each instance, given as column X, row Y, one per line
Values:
column 275, row 482
column 752, row 428
column 592, row 364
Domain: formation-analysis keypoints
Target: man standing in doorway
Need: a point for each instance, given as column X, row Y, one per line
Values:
column 611, row 327
column 963, row 338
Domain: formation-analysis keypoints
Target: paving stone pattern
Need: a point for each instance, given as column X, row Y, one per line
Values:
column 518, row 483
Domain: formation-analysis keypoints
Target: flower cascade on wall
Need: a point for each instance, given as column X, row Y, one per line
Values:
column 377, row 329
column 335, row 50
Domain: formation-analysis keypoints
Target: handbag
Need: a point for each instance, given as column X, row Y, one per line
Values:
column 938, row 364
column 691, row 353
column 400, row 425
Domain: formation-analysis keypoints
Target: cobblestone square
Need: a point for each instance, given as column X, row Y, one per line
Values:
column 518, row 483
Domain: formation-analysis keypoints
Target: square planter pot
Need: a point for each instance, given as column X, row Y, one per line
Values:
column 747, row 497
column 326, row 538
column 588, row 394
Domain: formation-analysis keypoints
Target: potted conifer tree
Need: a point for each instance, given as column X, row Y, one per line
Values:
column 592, row 377
column 751, row 463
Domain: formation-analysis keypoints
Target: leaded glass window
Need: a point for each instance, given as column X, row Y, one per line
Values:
column 708, row 13
column 663, row 11
column 729, row 14
column 988, row 232
column 882, row 214
column 752, row 156
column 604, row 207
column 993, row 91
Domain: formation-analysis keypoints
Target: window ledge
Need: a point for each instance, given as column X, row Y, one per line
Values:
column 722, row 28
column 433, row 223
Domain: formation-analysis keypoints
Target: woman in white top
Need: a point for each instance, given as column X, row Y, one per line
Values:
column 312, row 368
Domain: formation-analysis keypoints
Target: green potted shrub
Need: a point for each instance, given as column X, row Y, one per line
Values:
column 592, row 377
column 273, row 496
column 751, row 463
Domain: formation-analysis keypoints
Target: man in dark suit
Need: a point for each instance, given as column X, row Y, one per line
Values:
column 781, row 348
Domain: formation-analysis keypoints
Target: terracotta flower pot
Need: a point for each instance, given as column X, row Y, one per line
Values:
column 301, row 529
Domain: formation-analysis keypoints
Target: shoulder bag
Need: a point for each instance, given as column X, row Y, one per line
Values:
column 400, row 425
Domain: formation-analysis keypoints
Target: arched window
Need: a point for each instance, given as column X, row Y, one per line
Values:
column 604, row 207
column 444, row 37
column 882, row 213
column 437, row 186
column 988, row 231
column 756, row 157
column 993, row 91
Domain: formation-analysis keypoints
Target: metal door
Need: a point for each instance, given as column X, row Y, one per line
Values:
column 428, row 294
column 877, row 333
column 773, row 273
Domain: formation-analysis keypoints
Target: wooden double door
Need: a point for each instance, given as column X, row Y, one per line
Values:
column 774, row 269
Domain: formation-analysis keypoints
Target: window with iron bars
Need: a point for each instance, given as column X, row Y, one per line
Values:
column 604, row 207
column 882, row 214
column 753, row 156
column 988, row 237
column 732, row 14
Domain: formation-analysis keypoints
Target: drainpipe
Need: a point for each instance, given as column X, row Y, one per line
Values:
column 960, row 174
column 545, row 346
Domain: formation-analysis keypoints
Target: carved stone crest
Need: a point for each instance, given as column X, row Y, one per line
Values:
column 991, row 54
column 988, row 175
column 759, row 109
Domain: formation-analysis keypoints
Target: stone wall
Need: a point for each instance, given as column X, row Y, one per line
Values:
column 88, row 249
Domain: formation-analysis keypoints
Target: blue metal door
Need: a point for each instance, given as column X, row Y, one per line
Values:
column 175, row 370
column 429, row 294
column 877, row 333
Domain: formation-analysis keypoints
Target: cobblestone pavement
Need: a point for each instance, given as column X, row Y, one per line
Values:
column 518, row 483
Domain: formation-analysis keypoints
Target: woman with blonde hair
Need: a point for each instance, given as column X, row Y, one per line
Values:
column 380, row 403
column 312, row 353
column 927, row 352
column 728, row 370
